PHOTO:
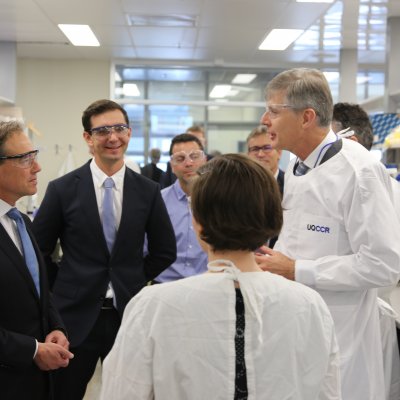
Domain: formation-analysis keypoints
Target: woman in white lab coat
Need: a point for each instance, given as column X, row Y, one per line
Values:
column 235, row 332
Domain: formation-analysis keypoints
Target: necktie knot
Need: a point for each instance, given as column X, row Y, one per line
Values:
column 108, row 183
column 14, row 214
column 301, row 169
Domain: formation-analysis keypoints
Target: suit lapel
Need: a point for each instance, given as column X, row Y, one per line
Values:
column 12, row 252
column 128, row 205
column 87, row 195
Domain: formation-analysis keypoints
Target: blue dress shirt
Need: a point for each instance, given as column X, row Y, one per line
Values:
column 191, row 259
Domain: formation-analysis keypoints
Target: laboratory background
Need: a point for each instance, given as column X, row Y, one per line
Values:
column 174, row 64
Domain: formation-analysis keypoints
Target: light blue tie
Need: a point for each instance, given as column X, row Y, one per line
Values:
column 301, row 169
column 108, row 217
column 29, row 252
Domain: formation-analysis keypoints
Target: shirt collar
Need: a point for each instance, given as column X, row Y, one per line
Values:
column 99, row 176
column 4, row 208
column 318, row 153
column 178, row 190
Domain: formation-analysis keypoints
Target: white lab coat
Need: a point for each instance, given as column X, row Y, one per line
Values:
column 176, row 342
column 341, row 228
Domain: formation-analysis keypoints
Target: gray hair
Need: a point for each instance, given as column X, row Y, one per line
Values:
column 7, row 129
column 304, row 88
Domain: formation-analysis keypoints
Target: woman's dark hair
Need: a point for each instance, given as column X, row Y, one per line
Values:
column 237, row 203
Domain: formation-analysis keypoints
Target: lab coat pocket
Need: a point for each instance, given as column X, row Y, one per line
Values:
column 317, row 236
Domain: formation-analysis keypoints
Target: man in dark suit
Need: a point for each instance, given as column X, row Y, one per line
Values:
column 259, row 147
column 151, row 170
column 32, row 339
column 101, row 213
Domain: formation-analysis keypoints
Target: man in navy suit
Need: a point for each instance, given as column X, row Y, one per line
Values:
column 96, row 277
column 259, row 147
column 32, row 338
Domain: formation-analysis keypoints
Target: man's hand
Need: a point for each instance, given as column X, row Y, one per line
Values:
column 275, row 262
column 57, row 337
column 52, row 356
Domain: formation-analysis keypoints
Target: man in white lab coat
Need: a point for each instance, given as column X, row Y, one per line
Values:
column 340, row 234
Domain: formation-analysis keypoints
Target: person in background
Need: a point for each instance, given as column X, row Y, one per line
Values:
column 151, row 170
column 196, row 130
column 340, row 233
column 352, row 116
column 32, row 334
column 187, row 156
column 259, row 148
column 233, row 333
column 101, row 213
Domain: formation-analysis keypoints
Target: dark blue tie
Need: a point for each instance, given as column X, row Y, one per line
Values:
column 301, row 169
column 29, row 251
column 108, row 217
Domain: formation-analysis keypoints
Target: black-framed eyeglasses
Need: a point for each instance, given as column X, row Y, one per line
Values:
column 181, row 156
column 265, row 149
column 24, row 160
column 120, row 130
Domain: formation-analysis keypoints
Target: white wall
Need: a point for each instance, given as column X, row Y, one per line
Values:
column 53, row 95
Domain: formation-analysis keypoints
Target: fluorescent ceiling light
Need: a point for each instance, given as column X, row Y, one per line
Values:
column 172, row 20
column 220, row 91
column 130, row 90
column 280, row 39
column 315, row 1
column 243, row 79
column 79, row 35
column 232, row 93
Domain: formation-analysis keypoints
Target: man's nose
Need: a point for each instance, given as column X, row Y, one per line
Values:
column 265, row 120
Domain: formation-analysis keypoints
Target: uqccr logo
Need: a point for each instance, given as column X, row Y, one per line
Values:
column 318, row 228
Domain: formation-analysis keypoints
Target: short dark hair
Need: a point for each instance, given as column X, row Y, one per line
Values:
column 7, row 129
column 237, row 203
column 99, row 107
column 353, row 116
column 184, row 138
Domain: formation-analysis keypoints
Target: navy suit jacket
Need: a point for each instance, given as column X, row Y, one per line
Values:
column 24, row 317
column 69, row 213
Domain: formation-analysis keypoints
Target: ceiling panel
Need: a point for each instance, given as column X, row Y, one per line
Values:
column 226, row 31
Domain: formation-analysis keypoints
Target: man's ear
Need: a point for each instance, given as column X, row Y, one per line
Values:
column 198, row 230
column 309, row 117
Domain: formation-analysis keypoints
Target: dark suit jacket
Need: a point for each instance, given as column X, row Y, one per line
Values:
column 23, row 318
column 69, row 212
column 152, row 172
column 281, row 182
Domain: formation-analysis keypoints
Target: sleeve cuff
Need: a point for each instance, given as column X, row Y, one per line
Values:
column 36, row 349
column 304, row 272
